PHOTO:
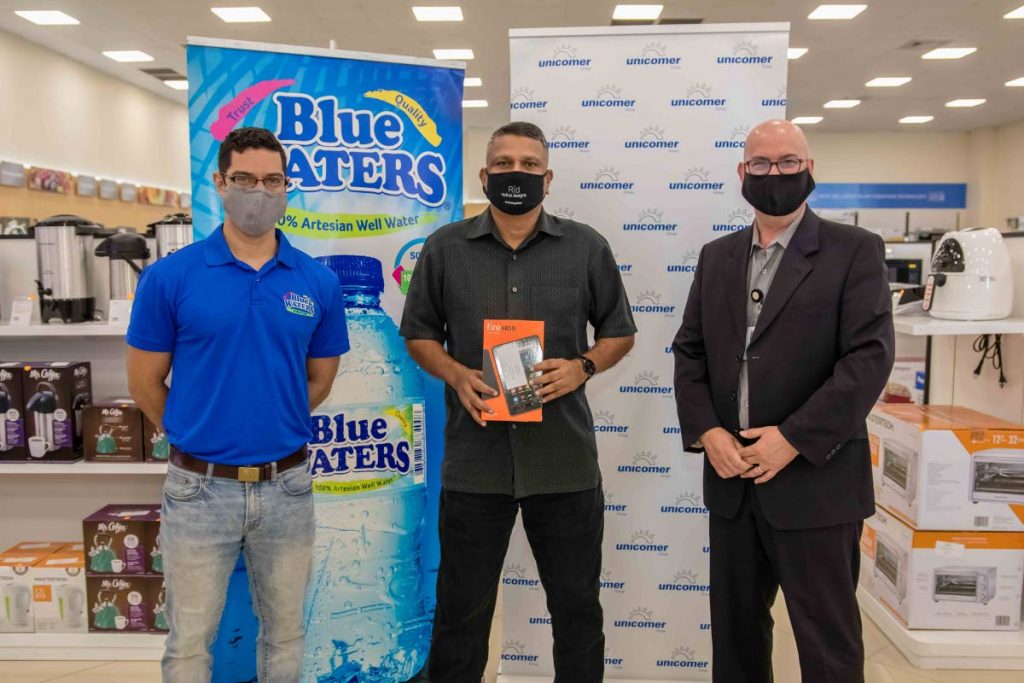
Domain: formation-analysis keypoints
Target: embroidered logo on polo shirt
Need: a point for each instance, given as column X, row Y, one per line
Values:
column 299, row 304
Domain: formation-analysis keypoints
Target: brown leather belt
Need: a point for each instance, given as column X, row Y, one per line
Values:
column 256, row 473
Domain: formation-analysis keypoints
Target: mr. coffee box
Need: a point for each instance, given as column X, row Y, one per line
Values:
column 16, row 609
column 112, row 430
column 126, row 603
column 58, row 593
column 158, row 449
column 13, row 444
column 55, row 394
column 948, row 468
column 122, row 539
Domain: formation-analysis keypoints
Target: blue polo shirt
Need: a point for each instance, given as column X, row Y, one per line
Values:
column 239, row 341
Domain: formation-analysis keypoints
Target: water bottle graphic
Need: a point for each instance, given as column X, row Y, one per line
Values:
column 366, row 615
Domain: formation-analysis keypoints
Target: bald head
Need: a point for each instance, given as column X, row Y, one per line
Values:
column 776, row 139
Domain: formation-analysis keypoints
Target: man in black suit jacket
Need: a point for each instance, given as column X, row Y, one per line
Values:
column 786, row 343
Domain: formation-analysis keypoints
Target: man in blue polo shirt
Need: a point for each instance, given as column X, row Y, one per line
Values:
column 252, row 329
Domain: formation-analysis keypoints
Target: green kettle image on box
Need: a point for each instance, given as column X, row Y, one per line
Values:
column 101, row 556
column 158, row 556
column 106, row 444
column 161, row 447
column 159, row 612
column 105, row 611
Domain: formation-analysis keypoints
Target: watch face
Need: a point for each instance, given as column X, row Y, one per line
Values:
column 588, row 366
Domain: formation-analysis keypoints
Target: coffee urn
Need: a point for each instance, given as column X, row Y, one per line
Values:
column 62, row 252
column 128, row 253
column 44, row 404
column 173, row 232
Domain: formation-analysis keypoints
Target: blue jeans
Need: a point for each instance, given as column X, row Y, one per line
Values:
column 205, row 521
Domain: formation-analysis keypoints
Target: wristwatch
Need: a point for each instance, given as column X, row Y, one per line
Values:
column 588, row 366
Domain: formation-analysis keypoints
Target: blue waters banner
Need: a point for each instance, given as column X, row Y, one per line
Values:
column 374, row 162
column 889, row 196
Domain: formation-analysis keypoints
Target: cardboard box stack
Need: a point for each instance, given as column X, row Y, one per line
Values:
column 124, row 569
column 945, row 549
column 42, row 588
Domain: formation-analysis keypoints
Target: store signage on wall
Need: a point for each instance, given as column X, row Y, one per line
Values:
column 889, row 196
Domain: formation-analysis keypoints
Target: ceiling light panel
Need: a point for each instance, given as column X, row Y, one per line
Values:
column 834, row 12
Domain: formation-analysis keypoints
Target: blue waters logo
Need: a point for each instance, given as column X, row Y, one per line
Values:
column 565, row 56
column 690, row 504
column 605, row 423
column 686, row 265
column 685, row 582
column 652, row 137
column 746, row 53
column 739, row 219
column 654, row 54
column 649, row 301
column 565, row 137
column 609, row 97
column 646, row 383
column 526, row 99
column 651, row 221
column 516, row 651
column 697, row 179
column 611, row 506
column 641, row 618
column 684, row 658
column 737, row 139
column 518, row 577
column 699, row 96
column 299, row 304
column 778, row 101
column 645, row 462
column 608, row 582
column 643, row 541
column 607, row 178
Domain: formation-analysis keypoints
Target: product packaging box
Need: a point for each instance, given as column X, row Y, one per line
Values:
column 906, row 382
column 948, row 468
column 511, row 349
column 13, row 443
column 960, row 580
column 112, row 431
column 36, row 547
column 58, row 593
column 126, row 603
column 74, row 547
column 55, row 394
column 16, row 609
column 158, row 449
column 120, row 539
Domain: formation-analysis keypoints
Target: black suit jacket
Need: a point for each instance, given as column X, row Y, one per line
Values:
column 819, row 357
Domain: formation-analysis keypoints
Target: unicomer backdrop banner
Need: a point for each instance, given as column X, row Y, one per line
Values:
column 646, row 127
column 374, row 147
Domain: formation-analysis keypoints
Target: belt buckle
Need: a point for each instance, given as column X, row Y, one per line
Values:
column 249, row 475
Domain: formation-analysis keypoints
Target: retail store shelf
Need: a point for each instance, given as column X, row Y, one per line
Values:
column 988, row 650
column 82, row 646
column 82, row 467
column 927, row 326
column 59, row 330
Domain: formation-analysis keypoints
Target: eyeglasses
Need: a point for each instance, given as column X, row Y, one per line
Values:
column 787, row 166
column 274, row 182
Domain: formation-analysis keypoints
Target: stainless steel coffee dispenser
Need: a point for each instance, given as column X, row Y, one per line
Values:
column 172, row 232
column 62, row 252
column 128, row 253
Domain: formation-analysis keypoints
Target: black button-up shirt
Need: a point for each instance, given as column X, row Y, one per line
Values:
column 564, row 274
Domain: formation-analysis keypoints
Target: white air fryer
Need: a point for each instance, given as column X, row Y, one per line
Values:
column 971, row 277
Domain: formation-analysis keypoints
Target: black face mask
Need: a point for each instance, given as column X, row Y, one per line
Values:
column 515, row 192
column 778, row 195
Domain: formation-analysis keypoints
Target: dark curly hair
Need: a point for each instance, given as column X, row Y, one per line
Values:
column 241, row 139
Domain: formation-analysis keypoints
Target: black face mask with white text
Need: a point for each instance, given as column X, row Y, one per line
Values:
column 778, row 195
column 515, row 192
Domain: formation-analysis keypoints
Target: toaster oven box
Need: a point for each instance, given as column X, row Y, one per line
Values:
column 947, row 467
column 960, row 580
column 58, row 593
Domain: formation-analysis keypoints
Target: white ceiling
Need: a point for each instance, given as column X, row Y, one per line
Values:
column 843, row 54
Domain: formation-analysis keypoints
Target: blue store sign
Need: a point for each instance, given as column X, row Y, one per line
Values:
column 889, row 196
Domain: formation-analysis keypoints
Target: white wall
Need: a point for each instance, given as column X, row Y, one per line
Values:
column 59, row 113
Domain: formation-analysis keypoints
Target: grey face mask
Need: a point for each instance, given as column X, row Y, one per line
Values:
column 255, row 212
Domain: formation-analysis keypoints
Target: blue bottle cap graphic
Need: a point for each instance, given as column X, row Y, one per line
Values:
column 356, row 271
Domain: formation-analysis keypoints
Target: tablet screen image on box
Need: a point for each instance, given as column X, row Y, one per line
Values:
column 511, row 349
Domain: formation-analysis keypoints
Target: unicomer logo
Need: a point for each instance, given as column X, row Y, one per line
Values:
column 683, row 658
column 652, row 137
column 649, row 301
column 609, row 97
column 564, row 56
column 745, row 52
column 687, row 264
column 565, row 137
column 607, row 178
column 777, row 101
column 611, row 506
column 641, row 618
column 604, row 423
column 299, row 304
column 332, row 147
column 737, row 139
column 685, row 582
column 654, row 54
column 608, row 582
column 646, row 383
column 517, row 576
column 515, row 651
column 699, row 95
column 645, row 462
column 611, row 661
column 643, row 541
column 697, row 179
column 689, row 503
column 524, row 98
column 540, row 621
column 651, row 221
column 738, row 220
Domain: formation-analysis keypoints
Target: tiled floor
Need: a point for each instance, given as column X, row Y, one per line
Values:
column 885, row 665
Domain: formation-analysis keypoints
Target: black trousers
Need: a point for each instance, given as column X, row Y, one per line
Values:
column 565, row 533
column 817, row 570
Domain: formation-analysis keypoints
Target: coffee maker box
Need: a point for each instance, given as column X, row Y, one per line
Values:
column 948, row 468
column 55, row 394
column 112, row 431
column 119, row 539
column 158, row 449
column 13, row 444
column 959, row 580
column 125, row 603
column 16, row 609
column 58, row 593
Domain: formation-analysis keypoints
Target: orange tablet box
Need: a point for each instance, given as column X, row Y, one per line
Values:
column 511, row 349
